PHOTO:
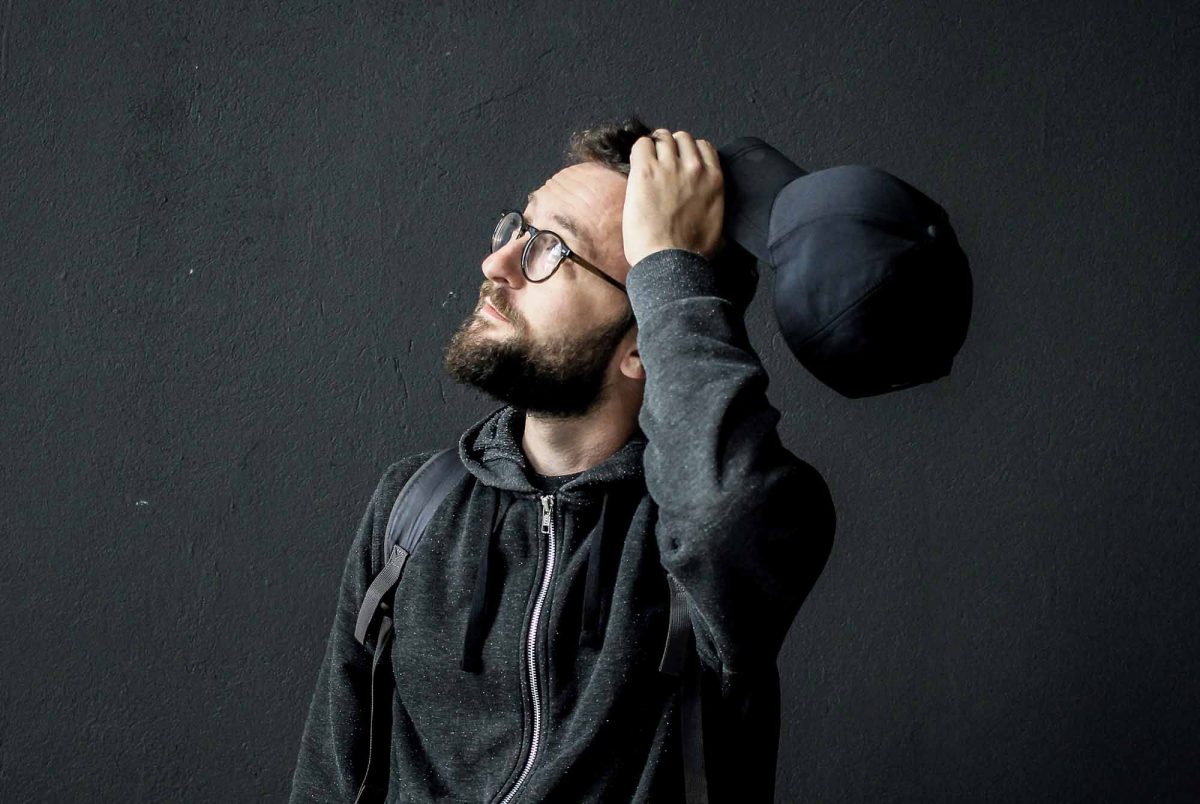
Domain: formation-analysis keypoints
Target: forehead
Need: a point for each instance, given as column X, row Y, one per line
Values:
column 585, row 200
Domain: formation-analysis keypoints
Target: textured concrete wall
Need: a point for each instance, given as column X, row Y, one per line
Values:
column 234, row 240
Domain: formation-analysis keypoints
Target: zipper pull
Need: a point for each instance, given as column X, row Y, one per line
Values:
column 547, row 503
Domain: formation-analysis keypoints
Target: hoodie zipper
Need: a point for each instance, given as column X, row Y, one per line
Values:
column 548, row 529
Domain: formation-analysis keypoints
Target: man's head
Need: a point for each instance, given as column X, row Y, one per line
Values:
column 571, row 341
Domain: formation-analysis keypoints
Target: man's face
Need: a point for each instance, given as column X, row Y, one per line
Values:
column 556, row 348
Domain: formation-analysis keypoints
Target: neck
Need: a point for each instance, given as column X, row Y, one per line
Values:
column 556, row 446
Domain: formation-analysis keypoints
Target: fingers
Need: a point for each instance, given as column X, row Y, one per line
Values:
column 641, row 153
column 682, row 148
column 664, row 145
column 689, row 154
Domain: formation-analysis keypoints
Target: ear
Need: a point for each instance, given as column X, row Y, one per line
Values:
column 631, row 366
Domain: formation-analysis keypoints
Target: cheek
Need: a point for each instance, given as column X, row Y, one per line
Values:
column 556, row 315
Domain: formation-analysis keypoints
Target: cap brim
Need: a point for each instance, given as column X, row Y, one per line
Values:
column 754, row 173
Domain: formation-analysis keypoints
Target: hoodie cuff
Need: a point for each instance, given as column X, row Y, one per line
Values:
column 666, row 276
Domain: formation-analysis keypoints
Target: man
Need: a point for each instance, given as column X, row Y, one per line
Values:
column 635, row 441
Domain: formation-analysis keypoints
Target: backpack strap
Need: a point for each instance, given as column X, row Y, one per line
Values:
column 411, row 512
column 414, row 507
column 680, row 658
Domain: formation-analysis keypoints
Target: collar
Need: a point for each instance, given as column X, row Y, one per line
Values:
column 491, row 450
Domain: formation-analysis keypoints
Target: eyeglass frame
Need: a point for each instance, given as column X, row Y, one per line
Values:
column 568, row 252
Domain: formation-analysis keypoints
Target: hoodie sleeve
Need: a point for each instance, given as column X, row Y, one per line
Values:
column 333, row 747
column 743, row 525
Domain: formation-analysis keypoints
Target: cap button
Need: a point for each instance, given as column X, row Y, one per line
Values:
column 931, row 230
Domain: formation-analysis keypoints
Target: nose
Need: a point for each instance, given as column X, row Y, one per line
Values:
column 504, row 264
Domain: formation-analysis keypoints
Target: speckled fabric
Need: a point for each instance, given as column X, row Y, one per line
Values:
column 703, row 490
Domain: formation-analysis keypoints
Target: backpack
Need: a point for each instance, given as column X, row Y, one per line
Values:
column 414, row 507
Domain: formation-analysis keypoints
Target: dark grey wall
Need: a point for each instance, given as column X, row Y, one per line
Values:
column 234, row 241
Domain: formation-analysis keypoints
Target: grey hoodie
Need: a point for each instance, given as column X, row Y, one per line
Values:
column 573, row 584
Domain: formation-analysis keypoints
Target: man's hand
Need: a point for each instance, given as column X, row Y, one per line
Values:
column 675, row 197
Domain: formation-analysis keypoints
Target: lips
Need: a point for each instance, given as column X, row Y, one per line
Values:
column 492, row 311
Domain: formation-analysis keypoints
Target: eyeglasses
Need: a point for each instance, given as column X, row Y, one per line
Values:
column 544, row 252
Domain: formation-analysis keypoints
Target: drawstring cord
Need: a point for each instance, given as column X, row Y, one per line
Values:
column 592, row 627
column 472, row 656
column 590, row 631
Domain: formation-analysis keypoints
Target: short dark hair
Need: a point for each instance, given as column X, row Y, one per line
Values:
column 607, row 143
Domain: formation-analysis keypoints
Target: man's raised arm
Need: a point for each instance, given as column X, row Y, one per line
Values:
column 743, row 525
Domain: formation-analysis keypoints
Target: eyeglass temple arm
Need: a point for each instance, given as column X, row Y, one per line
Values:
column 598, row 272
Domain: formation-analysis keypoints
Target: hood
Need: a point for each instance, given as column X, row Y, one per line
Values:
column 491, row 451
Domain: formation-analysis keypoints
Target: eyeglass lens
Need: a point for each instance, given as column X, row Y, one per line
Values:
column 544, row 254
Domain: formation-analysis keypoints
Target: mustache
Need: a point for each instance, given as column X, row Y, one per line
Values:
column 497, row 300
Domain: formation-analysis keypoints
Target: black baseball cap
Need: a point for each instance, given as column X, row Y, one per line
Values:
column 872, row 290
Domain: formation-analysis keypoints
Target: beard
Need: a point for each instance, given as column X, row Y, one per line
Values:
column 560, row 378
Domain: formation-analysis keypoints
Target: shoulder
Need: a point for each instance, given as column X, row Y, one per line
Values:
column 396, row 475
column 387, row 490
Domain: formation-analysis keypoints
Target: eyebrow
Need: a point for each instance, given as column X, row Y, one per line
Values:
column 569, row 224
